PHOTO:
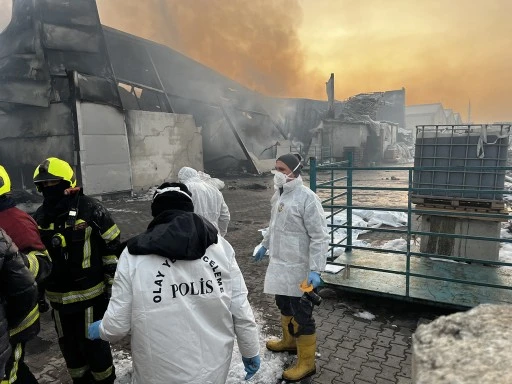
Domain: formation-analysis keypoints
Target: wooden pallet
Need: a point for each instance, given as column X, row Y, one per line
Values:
column 459, row 202
column 438, row 209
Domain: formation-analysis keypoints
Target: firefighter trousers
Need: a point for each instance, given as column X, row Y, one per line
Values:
column 16, row 371
column 88, row 361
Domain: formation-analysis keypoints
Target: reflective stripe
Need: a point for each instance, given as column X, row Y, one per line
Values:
column 58, row 324
column 74, row 224
column 13, row 375
column 76, row 296
column 99, row 376
column 109, row 260
column 88, row 320
column 111, row 233
column 33, row 260
column 77, row 373
column 33, row 264
column 86, row 263
column 27, row 321
column 42, row 254
column 51, row 227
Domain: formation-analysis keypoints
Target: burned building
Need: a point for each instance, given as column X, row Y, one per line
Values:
column 74, row 89
column 52, row 58
column 127, row 112
column 365, row 125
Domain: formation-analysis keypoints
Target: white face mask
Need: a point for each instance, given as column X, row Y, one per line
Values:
column 281, row 179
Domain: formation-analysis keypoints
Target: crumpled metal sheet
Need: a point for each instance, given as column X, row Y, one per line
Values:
column 47, row 39
column 24, row 76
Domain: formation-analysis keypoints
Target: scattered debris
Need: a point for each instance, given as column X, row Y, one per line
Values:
column 255, row 186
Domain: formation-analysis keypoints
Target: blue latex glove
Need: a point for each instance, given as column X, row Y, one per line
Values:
column 251, row 364
column 314, row 278
column 260, row 254
column 94, row 330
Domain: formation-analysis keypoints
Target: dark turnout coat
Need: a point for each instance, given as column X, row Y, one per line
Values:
column 82, row 240
column 18, row 298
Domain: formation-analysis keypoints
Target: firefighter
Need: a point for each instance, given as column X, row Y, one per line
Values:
column 82, row 239
column 22, row 229
column 18, row 310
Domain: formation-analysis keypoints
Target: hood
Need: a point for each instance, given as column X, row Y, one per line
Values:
column 177, row 235
column 7, row 247
column 186, row 174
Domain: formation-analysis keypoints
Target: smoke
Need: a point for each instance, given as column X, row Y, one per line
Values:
column 253, row 42
column 440, row 51
column 449, row 52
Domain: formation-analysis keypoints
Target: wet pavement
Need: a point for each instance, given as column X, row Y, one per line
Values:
column 361, row 339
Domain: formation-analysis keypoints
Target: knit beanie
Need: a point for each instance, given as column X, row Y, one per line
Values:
column 171, row 196
column 292, row 160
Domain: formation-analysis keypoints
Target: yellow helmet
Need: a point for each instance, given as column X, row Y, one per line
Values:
column 5, row 182
column 53, row 169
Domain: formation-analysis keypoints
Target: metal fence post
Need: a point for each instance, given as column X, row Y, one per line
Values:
column 348, row 248
column 312, row 173
column 409, row 229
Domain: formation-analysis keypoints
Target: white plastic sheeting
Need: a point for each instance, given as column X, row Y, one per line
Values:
column 360, row 218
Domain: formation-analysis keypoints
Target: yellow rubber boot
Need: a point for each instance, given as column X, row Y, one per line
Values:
column 287, row 343
column 305, row 365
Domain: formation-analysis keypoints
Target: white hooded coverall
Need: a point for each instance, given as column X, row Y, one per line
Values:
column 208, row 200
column 183, row 316
column 297, row 239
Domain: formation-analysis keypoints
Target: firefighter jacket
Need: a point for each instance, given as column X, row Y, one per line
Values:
column 22, row 229
column 82, row 240
column 179, row 291
column 18, row 298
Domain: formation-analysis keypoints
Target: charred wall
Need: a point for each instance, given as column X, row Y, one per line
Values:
column 392, row 108
column 46, row 42
column 154, row 77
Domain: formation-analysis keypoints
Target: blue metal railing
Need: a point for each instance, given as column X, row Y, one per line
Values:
column 337, row 188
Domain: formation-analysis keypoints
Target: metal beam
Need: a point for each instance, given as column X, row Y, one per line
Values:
column 239, row 139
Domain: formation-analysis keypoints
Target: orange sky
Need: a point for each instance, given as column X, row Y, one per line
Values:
column 449, row 51
column 440, row 51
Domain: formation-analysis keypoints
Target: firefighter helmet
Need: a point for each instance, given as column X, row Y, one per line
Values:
column 5, row 182
column 53, row 169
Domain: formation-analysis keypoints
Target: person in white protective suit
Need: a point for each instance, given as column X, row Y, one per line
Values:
column 180, row 293
column 208, row 200
column 297, row 241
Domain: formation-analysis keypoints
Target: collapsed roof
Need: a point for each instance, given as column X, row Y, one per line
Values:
column 52, row 48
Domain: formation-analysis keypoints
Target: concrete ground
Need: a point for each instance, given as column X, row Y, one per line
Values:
column 351, row 349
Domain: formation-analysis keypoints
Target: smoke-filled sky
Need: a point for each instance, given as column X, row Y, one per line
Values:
column 448, row 51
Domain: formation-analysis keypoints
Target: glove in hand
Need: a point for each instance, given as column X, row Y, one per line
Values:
column 94, row 331
column 260, row 254
column 314, row 278
column 251, row 365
